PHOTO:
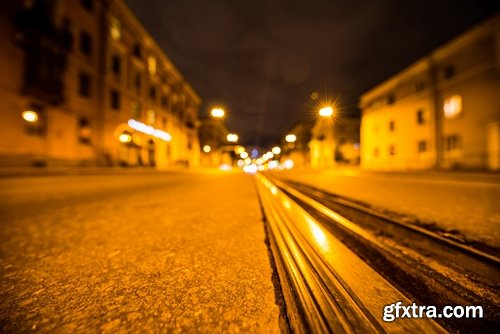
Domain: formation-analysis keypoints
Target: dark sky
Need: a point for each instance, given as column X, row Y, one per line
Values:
column 262, row 59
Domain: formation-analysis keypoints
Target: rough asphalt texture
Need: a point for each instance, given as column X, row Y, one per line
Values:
column 179, row 252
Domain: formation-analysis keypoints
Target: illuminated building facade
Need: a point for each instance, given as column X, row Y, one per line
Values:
column 83, row 83
column 440, row 112
column 334, row 141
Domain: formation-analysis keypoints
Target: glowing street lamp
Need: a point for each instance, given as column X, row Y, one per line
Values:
column 217, row 112
column 326, row 111
column 232, row 138
column 30, row 116
column 291, row 138
column 243, row 155
column 276, row 150
column 207, row 148
column 125, row 138
column 239, row 149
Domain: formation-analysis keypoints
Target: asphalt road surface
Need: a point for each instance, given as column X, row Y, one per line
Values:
column 173, row 252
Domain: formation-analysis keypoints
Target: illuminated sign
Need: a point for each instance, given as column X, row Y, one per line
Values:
column 149, row 130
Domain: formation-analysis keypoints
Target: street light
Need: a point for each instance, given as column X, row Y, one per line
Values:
column 30, row 116
column 125, row 138
column 207, row 148
column 291, row 138
column 276, row 150
column 217, row 113
column 232, row 138
column 326, row 111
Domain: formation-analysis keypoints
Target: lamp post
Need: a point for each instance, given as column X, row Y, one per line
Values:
column 325, row 138
column 232, row 138
column 217, row 113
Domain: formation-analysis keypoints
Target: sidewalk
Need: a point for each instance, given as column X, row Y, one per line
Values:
column 464, row 204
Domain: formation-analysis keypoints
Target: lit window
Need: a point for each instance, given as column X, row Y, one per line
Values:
column 115, row 29
column 84, row 131
column 453, row 106
column 151, row 116
column 152, row 65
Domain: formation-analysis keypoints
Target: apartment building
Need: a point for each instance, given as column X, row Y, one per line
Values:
column 84, row 83
column 443, row 111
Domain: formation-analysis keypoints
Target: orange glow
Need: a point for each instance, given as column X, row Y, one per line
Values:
column 30, row 116
column 239, row 149
column 452, row 106
column 217, row 113
column 326, row 111
column 125, row 138
column 232, row 138
column 291, row 138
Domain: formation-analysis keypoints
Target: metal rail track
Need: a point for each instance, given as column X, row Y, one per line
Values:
column 327, row 287
column 426, row 267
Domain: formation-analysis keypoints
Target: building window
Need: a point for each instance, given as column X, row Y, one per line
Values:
column 392, row 150
column 88, row 5
column 138, row 83
column 422, row 146
column 137, row 50
column 84, row 131
column 420, row 86
column 391, row 99
column 449, row 72
column 115, row 29
column 164, row 102
column 136, row 110
column 115, row 100
column 452, row 106
column 116, row 65
column 376, row 152
column 84, row 84
column 421, row 117
column 152, row 93
column 392, row 126
column 151, row 116
column 152, row 65
column 164, row 122
column 453, row 142
column 85, row 43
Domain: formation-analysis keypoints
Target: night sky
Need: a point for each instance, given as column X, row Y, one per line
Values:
column 262, row 59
